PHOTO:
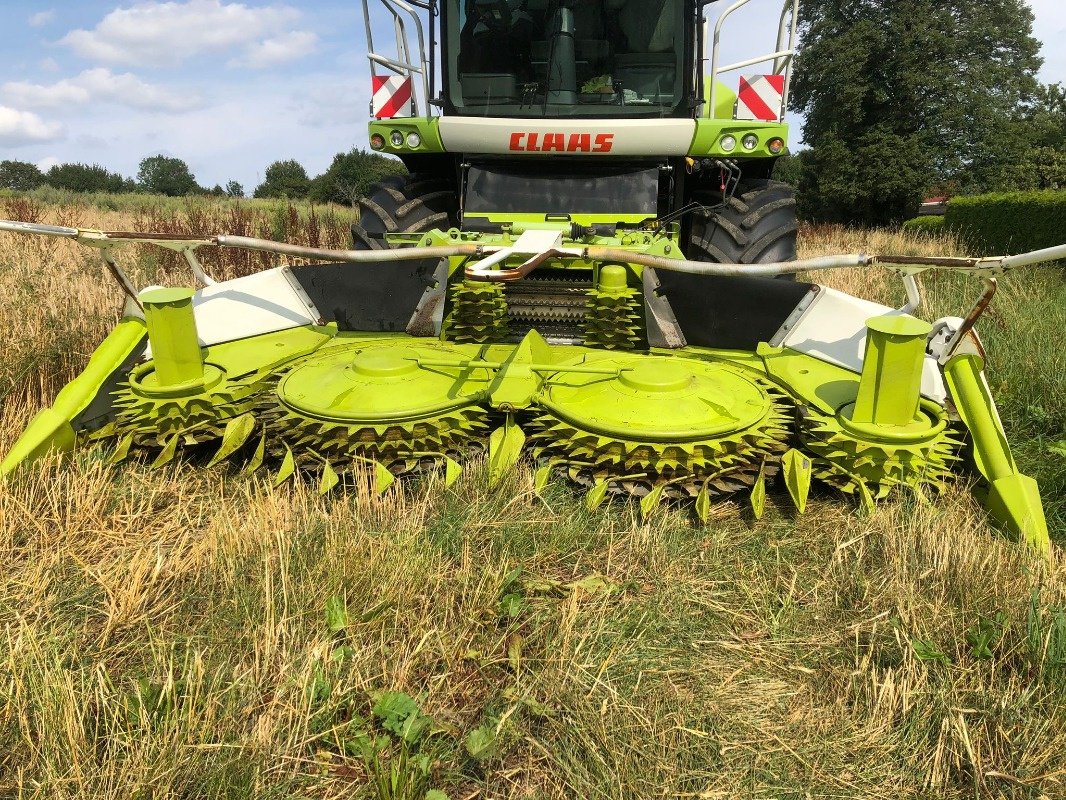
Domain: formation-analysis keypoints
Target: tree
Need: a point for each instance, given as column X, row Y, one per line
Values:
column 788, row 167
column 20, row 176
column 351, row 174
column 234, row 189
column 168, row 176
column 900, row 96
column 1033, row 149
column 286, row 179
column 88, row 178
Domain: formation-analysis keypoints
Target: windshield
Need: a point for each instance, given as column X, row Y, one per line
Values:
column 559, row 58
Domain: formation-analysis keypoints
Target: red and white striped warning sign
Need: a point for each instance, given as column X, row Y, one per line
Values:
column 392, row 96
column 760, row 97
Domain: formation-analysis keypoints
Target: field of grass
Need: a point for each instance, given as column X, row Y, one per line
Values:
column 197, row 634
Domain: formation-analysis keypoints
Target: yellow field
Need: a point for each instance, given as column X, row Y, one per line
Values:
column 181, row 633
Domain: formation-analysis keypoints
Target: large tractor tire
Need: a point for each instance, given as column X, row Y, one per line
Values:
column 757, row 225
column 413, row 203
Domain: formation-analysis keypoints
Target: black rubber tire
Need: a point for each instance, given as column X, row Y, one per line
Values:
column 413, row 203
column 757, row 225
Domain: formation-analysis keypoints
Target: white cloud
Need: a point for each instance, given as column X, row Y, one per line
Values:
column 19, row 128
column 42, row 18
column 47, row 163
column 168, row 33
column 99, row 85
column 49, row 64
column 277, row 50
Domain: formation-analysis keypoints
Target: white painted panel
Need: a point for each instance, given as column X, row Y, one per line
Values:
column 256, row 304
column 833, row 329
column 539, row 137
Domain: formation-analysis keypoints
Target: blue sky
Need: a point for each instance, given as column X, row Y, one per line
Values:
column 232, row 86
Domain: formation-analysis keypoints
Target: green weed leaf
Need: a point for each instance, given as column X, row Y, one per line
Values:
column 926, row 650
column 336, row 614
column 512, row 606
column 399, row 714
column 593, row 584
column 985, row 634
column 481, row 742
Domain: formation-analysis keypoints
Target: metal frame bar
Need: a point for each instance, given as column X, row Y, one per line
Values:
column 787, row 33
column 904, row 265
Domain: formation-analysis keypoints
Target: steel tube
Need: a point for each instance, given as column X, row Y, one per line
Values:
column 750, row 62
column 1024, row 259
column 714, row 48
column 12, row 226
column 354, row 256
column 728, row 270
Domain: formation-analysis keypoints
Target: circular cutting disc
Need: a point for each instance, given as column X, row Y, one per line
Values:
column 382, row 383
column 659, row 399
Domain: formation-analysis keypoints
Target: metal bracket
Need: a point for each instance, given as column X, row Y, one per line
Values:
column 428, row 317
column 663, row 329
column 298, row 290
column 537, row 245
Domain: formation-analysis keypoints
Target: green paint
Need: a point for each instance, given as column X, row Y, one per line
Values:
column 667, row 426
column 645, row 398
column 798, row 470
column 613, row 278
column 238, row 431
column 891, row 381
column 51, row 429
column 614, row 312
column 172, row 334
column 705, row 142
column 427, row 129
column 505, row 448
column 639, row 422
column 709, row 132
column 1013, row 498
column 379, row 385
column 964, row 375
column 725, row 100
column 515, row 383
column 758, row 494
column 650, row 502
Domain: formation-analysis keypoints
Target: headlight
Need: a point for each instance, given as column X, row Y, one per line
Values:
column 728, row 143
column 750, row 142
column 776, row 146
column 414, row 141
column 377, row 141
column 396, row 138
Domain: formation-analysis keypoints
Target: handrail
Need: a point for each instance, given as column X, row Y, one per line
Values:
column 404, row 63
column 782, row 57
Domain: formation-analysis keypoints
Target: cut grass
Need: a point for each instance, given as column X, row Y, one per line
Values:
column 165, row 633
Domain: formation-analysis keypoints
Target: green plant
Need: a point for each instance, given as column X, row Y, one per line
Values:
column 1014, row 222
column 403, row 776
column 932, row 225
column 1046, row 637
column 985, row 633
column 927, row 650
column 399, row 714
